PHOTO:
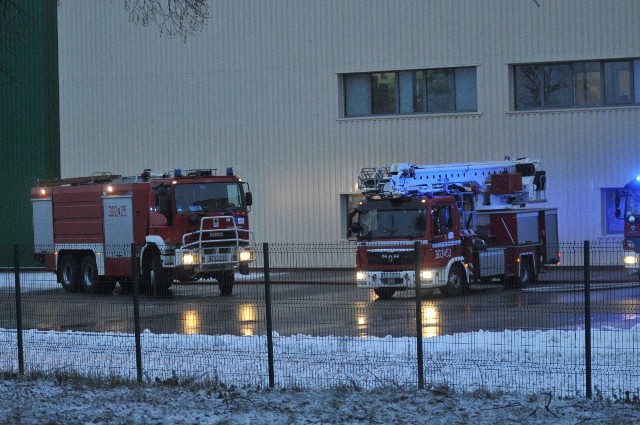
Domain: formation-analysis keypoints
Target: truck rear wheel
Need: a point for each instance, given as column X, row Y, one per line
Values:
column 91, row 281
column 384, row 293
column 526, row 274
column 225, row 282
column 68, row 275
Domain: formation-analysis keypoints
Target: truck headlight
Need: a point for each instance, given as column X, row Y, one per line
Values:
column 361, row 276
column 630, row 260
column 426, row 274
column 246, row 255
column 188, row 258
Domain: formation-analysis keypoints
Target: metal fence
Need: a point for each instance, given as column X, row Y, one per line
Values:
column 290, row 323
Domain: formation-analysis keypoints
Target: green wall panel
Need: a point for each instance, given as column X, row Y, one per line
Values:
column 29, row 110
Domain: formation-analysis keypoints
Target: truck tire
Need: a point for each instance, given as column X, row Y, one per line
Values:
column 527, row 275
column 68, row 273
column 91, row 281
column 456, row 282
column 384, row 293
column 155, row 278
column 225, row 282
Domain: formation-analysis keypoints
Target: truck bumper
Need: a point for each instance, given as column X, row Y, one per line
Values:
column 631, row 261
column 400, row 280
column 211, row 260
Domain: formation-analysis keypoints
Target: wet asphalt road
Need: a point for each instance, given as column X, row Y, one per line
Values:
column 327, row 304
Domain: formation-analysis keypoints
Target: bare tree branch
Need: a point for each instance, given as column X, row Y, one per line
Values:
column 179, row 18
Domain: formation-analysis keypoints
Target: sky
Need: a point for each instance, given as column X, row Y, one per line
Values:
column 475, row 377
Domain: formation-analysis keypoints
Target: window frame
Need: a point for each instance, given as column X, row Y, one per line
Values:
column 607, row 83
column 413, row 83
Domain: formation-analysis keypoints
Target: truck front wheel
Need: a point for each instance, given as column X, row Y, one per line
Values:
column 456, row 282
column 68, row 273
column 225, row 282
column 155, row 278
column 384, row 293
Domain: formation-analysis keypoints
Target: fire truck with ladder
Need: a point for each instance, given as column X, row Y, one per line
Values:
column 474, row 222
column 182, row 225
column 629, row 195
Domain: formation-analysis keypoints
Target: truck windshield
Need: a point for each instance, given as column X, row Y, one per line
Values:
column 633, row 202
column 208, row 197
column 393, row 223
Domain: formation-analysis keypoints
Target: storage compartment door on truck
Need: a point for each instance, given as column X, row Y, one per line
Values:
column 118, row 234
column 42, row 225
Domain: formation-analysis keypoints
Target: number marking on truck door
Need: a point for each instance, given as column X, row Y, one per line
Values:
column 442, row 253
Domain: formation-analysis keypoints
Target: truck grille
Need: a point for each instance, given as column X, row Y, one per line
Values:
column 391, row 258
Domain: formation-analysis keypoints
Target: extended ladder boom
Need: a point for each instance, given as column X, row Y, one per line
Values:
column 503, row 184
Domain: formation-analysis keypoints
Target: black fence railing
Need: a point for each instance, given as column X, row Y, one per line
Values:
column 293, row 323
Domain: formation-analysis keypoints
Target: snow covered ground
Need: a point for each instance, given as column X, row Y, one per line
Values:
column 532, row 379
column 46, row 402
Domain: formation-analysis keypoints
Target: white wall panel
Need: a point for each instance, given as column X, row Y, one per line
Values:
column 257, row 89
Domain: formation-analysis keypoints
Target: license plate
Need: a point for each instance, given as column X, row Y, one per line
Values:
column 391, row 275
column 218, row 258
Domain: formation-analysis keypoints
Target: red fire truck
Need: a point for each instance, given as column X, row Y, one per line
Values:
column 475, row 222
column 185, row 226
column 630, row 196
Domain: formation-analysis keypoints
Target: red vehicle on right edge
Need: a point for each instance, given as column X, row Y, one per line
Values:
column 630, row 196
column 475, row 222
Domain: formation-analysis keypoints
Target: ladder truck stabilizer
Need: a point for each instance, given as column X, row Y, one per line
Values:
column 476, row 222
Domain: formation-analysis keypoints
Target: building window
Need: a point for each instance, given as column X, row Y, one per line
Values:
column 611, row 225
column 576, row 84
column 383, row 93
column 587, row 87
column 422, row 91
column 357, row 94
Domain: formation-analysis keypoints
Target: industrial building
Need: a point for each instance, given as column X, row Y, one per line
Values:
column 298, row 95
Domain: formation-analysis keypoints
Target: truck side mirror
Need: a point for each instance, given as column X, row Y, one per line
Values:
column 248, row 199
column 355, row 227
column 618, row 213
column 164, row 203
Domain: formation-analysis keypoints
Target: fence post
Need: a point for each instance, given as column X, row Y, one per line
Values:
column 587, row 318
column 267, row 300
column 135, row 264
column 419, row 352
column 16, row 270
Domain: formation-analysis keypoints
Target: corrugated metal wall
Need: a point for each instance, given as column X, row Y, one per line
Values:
column 258, row 89
column 29, row 133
